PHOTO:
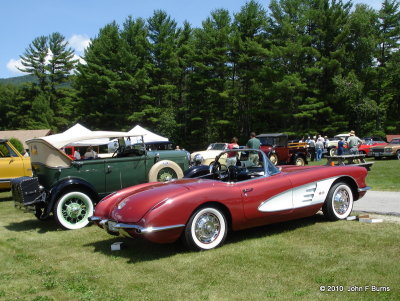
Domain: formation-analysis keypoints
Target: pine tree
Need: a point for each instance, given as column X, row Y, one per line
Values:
column 388, row 45
column 51, row 60
column 163, row 33
column 211, row 105
column 61, row 61
column 101, row 79
column 34, row 60
column 250, row 56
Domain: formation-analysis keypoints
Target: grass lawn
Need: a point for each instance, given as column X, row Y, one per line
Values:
column 283, row 261
column 383, row 176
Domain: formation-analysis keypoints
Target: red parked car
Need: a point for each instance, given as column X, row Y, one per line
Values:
column 202, row 210
column 369, row 142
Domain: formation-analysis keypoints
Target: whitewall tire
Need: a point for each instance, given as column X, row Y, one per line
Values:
column 164, row 171
column 73, row 209
column 206, row 229
column 339, row 202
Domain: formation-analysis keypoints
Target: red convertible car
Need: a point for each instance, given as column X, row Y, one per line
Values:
column 202, row 210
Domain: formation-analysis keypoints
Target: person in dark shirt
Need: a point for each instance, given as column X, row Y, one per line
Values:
column 253, row 143
column 340, row 147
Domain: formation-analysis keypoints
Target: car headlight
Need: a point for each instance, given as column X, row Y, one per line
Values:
column 389, row 149
column 188, row 156
column 198, row 159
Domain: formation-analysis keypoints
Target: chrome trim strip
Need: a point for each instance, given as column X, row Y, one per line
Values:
column 104, row 222
column 140, row 229
column 366, row 188
column 94, row 218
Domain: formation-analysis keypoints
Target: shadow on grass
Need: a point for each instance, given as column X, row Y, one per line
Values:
column 138, row 250
column 274, row 229
column 29, row 224
column 33, row 224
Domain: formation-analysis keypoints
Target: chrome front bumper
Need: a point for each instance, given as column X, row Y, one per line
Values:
column 366, row 188
column 113, row 226
column 381, row 154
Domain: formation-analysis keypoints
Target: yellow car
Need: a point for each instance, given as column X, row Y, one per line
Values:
column 12, row 164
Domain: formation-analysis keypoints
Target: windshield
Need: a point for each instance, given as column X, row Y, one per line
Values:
column 248, row 160
column 6, row 151
column 395, row 141
column 217, row 146
column 273, row 141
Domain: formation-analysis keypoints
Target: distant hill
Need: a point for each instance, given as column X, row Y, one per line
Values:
column 18, row 80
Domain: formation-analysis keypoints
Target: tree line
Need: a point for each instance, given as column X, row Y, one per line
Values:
column 301, row 67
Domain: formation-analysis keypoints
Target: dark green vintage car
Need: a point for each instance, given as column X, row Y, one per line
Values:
column 68, row 189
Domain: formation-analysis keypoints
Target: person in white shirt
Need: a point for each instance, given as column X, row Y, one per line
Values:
column 77, row 155
column 90, row 153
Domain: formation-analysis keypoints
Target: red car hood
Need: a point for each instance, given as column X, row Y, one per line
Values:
column 132, row 205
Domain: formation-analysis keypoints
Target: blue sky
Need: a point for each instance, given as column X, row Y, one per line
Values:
column 23, row 20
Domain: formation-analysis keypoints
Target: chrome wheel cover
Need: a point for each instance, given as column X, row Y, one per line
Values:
column 207, row 228
column 341, row 201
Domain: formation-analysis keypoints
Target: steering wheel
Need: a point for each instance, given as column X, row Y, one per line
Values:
column 233, row 172
column 215, row 169
column 120, row 149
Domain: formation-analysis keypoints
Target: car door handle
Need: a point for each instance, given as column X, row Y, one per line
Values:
column 108, row 168
column 246, row 190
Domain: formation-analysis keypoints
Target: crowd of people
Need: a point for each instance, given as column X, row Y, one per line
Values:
column 316, row 146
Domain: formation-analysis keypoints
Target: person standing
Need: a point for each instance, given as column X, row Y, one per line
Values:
column 77, row 155
column 311, row 148
column 319, row 146
column 354, row 142
column 253, row 143
column 340, row 147
column 326, row 141
column 232, row 156
column 90, row 153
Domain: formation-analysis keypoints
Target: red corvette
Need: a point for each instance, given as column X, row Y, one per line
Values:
column 366, row 146
column 202, row 210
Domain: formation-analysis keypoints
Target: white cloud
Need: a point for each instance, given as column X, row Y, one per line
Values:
column 79, row 42
column 12, row 66
column 81, row 60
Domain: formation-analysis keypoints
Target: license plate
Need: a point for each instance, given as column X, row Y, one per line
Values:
column 111, row 227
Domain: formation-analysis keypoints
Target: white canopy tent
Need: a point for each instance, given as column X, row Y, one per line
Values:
column 78, row 135
column 135, row 136
column 147, row 135
column 78, row 130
